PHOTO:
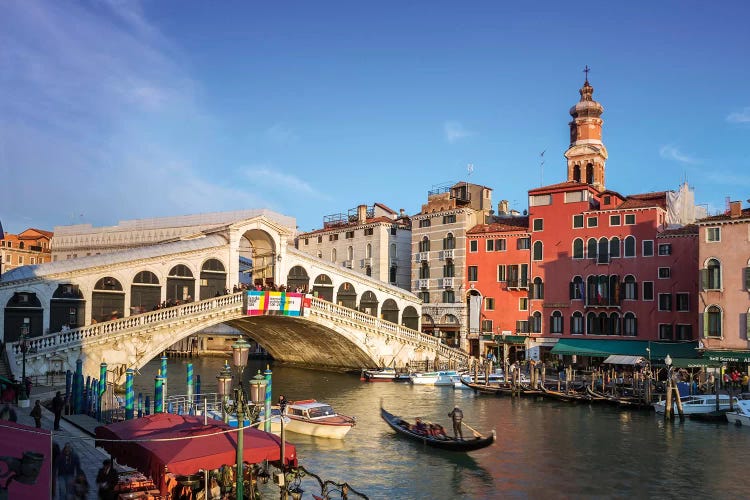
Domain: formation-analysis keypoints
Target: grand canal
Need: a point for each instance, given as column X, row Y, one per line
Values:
column 545, row 449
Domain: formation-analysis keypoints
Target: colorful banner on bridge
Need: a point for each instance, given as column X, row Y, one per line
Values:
column 261, row 303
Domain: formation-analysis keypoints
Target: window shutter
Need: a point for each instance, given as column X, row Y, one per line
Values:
column 747, row 328
column 635, row 326
column 704, row 279
column 705, row 323
column 572, row 287
column 747, row 278
column 635, row 290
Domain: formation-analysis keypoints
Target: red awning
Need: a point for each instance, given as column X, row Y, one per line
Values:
column 186, row 456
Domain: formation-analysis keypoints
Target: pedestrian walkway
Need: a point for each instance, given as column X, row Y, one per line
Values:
column 74, row 429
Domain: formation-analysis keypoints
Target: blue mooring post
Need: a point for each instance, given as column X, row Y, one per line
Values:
column 68, row 384
column 129, row 394
column 158, row 393
column 78, row 386
column 163, row 360
column 86, row 395
column 267, row 424
column 189, row 382
column 90, row 410
column 102, row 389
column 197, row 401
column 140, row 404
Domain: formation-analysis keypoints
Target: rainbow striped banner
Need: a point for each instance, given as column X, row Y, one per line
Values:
column 261, row 303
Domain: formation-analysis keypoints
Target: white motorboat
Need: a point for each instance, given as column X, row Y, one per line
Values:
column 698, row 403
column 443, row 377
column 275, row 420
column 741, row 416
column 314, row 418
column 381, row 375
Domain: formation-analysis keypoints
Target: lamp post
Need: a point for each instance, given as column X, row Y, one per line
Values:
column 224, row 385
column 22, row 396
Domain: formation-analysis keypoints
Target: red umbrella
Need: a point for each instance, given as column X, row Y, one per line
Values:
column 200, row 447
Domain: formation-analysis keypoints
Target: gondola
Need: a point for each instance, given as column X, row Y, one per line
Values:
column 570, row 397
column 486, row 389
column 448, row 443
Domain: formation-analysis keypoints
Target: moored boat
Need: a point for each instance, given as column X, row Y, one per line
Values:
column 441, row 441
column 442, row 377
column 741, row 416
column 314, row 418
column 699, row 403
column 380, row 375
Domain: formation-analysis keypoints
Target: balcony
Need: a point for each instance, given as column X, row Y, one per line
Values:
column 518, row 284
column 347, row 264
column 594, row 302
column 422, row 257
column 422, row 283
column 366, row 262
column 445, row 254
column 445, row 283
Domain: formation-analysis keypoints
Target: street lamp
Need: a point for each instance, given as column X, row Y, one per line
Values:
column 22, row 396
column 224, row 384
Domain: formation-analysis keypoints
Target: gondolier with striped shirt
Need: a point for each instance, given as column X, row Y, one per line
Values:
column 457, row 415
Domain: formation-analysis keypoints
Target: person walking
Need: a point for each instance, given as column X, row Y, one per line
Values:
column 36, row 412
column 457, row 415
column 67, row 469
column 107, row 479
column 58, row 403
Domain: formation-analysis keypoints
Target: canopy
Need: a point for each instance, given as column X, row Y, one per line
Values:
column 620, row 359
column 655, row 351
column 204, row 447
column 727, row 356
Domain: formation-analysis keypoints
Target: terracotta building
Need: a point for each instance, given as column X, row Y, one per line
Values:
column 724, row 302
column 30, row 247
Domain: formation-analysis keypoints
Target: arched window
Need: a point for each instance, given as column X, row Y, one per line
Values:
column 350, row 253
column 537, row 289
column 630, row 325
column 630, row 246
column 603, row 323
column 603, row 250
column 614, row 324
column 577, row 173
column 424, row 245
column 536, row 322
column 424, row 271
column 333, row 255
column 538, row 253
column 391, row 252
column 592, row 325
column 449, row 242
column 592, row 290
column 712, row 321
column 589, row 174
column 591, row 244
column 556, row 323
column 576, row 323
column 578, row 248
column 368, row 251
column 712, row 275
column 631, row 288
column 577, row 290
column 449, row 270
column 614, row 248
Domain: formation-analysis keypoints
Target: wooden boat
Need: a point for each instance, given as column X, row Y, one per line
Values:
column 496, row 390
column 313, row 418
column 570, row 397
column 447, row 443
column 624, row 402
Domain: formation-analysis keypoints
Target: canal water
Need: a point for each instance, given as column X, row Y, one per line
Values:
column 545, row 449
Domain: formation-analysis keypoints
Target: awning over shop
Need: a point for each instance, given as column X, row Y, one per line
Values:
column 655, row 351
column 695, row 363
column 507, row 339
column 727, row 356
column 620, row 359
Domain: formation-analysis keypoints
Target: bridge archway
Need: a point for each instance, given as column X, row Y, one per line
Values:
column 107, row 300
column 368, row 304
column 389, row 311
column 323, row 287
column 180, row 283
column 347, row 295
column 23, row 308
column 428, row 324
column 145, row 292
column 260, row 247
column 410, row 318
column 297, row 278
column 213, row 279
column 67, row 307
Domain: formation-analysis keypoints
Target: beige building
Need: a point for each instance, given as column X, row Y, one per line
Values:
column 438, row 273
column 28, row 248
column 372, row 240
column 724, row 305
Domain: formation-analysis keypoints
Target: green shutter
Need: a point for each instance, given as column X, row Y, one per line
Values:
column 704, row 279
column 747, row 278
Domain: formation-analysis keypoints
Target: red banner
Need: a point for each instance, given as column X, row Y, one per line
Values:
column 25, row 461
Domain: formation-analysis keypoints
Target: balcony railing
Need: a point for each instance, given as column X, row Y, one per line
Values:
column 422, row 283
column 348, row 264
column 366, row 262
column 422, row 257
column 518, row 283
column 445, row 254
column 445, row 283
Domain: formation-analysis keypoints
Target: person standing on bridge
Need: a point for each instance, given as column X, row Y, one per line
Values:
column 457, row 415
column 58, row 403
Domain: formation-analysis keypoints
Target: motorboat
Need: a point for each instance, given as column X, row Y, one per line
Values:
column 275, row 420
column 313, row 418
column 699, row 403
column 741, row 416
column 380, row 375
column 443, row 377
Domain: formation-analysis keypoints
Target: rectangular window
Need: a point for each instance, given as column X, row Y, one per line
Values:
column 538, row 224
column 424, row 223
column 349, row 235
column 473, row 246
column 522, row 326
column 665, row 249
column 665, row 301
column 449, row 297
column 575, row 196
column 333, row 237
column 20, row 259
column 713, row 234
column 648, row 248
column 307, row 241
column 683, row 302
column 368, row 231
column 472, row 273
column 648, row 290
column 523, row 243
column 614, row 220
column 665, row 332
column 501, row 272
column 393, row 230
column 425, row 296
column 664, row 273
column 540, row 200
column 607, row 200
column 500, row 245
column 490, row 245
column 320, row 239
column 523, row 304
column 487, row 325
column 592, row 222
column 489, row 304
column 684, row 332
column 577, row 221
column 449, row 219
column 629, row 219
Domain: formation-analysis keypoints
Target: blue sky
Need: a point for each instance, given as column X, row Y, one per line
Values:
column 113, row 110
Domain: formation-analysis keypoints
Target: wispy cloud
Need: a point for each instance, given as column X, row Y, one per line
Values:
column 670, row 152
column 728, row 179
column 455, row 131
column 276, row 181
column 739, row 116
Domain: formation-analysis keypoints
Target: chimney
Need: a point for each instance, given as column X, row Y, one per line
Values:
column 502, row 207
column 735, row 209
column 361, row 214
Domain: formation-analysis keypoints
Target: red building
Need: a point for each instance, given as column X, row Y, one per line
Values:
column 601, row 265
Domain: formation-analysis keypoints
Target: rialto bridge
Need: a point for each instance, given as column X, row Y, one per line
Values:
column 103, row 308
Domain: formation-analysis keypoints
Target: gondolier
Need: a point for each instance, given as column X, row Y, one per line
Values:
column 457, row 415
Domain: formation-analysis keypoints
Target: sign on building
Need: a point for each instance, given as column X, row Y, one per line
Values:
column 261, row 303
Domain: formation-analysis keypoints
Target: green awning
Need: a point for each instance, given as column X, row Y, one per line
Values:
column 603, row 348
column 508, row 339
column 727, row 356
column 695, row 363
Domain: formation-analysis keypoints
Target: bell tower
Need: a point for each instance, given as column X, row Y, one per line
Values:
column 586, row 154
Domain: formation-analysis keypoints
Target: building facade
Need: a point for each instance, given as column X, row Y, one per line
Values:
column 29, row 247
column 438, row 274
column 724, row 301
column 374, row 240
